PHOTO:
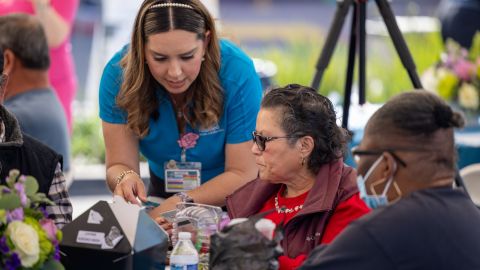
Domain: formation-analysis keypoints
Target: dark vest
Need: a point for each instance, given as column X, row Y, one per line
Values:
column 31, row 158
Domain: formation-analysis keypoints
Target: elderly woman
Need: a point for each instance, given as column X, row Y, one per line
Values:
column 302, row 180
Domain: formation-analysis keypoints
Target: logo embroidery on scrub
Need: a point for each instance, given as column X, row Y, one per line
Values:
column 211, row 130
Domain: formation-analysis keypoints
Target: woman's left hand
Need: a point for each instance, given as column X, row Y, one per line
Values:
column 165, row 224
column 167, row 205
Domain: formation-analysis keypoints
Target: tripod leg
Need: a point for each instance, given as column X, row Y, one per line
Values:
column 362, row 70
column 331, row 41
column 347, row 94
column 399, row 42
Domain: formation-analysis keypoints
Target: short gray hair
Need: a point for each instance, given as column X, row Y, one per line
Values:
column 24, row 36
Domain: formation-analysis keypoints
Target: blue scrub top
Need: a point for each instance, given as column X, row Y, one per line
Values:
column 242, row 96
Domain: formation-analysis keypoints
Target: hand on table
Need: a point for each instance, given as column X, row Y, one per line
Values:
column 165, row 224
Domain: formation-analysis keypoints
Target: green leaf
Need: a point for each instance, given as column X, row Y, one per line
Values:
column 40, row 198
column 475, row 47
column 10, row 201
column 31, row 185
column 53, row 265
column 33, row 213
column 12, row 177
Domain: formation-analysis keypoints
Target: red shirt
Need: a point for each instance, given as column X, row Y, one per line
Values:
column 346, row 212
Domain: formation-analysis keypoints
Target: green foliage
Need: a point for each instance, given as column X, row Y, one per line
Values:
column 475, row 47
column 386, row 75
column 87, row 140
column 9, row 201
column 31, row 186
column 53, row 265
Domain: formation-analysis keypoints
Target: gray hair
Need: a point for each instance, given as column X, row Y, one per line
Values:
column 24, row 36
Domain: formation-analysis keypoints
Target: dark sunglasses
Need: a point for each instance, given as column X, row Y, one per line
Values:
column 260, row 140
column 376, row 152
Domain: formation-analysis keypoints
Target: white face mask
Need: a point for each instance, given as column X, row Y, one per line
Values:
column 373, row 201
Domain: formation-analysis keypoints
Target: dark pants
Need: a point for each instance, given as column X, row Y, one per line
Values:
column 157, row 187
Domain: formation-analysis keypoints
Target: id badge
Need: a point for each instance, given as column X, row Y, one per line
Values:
column 182, row 176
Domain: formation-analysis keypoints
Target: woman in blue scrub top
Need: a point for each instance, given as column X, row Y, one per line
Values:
column 184, row 99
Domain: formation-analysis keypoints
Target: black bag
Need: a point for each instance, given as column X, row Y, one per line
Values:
column 242, row 246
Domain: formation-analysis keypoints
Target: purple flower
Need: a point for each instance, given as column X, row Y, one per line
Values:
column 6, row 190
column 44, row 211
column 464, row 69
column 3, row 245
column 56, row 254
column 15, row 214
column 13, row 262
column 20, row 187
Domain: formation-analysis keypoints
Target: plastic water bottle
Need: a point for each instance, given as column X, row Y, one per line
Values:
column 202, row 221
column 184, row 255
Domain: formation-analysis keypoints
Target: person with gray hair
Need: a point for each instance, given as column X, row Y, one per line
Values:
column 303, row 184
column 406, row 166
column 28, row 94
column 31, row 157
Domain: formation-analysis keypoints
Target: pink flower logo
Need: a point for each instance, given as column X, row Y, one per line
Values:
column 188, row 140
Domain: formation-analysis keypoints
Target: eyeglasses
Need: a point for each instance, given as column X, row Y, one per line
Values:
column 260, row 140
column 376, row 152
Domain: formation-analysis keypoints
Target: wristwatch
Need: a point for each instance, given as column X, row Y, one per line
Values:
column 184, row 197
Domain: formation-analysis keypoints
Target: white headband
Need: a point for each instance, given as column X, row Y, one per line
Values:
column 179, row 5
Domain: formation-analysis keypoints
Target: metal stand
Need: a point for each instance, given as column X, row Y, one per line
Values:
column 357, row 36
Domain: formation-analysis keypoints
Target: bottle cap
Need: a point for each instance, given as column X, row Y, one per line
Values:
column 184, row 235
column 266, row 227
column 237, row 221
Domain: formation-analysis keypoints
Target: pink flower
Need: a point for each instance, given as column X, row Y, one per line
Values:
column 189, row 140
column 464, row 69
column 50, row 228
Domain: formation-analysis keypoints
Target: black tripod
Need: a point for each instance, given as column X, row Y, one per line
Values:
column 357, row 35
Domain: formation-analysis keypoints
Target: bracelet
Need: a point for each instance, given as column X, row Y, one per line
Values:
column 122, row 175
column 184, row 197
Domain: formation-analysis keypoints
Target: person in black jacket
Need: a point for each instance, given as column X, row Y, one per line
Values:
column 406, row 166
column 31, row 157
column 460, row 20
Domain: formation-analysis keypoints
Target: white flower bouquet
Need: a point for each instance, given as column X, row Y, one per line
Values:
column 28, row 239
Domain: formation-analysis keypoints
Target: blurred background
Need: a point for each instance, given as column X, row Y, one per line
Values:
column 286, row 37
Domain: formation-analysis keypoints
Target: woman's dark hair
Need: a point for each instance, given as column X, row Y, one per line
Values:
column 304, row 112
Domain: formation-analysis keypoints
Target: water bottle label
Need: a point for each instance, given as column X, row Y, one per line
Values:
column 183, row 267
